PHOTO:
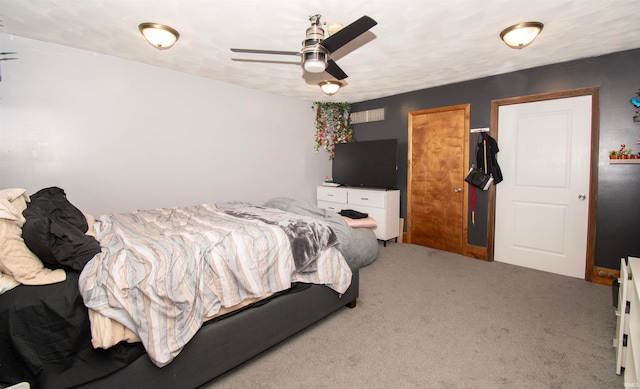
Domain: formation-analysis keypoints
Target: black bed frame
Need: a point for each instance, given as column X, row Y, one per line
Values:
column 222, row 345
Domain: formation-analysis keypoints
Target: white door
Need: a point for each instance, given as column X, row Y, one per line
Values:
column 542, row 204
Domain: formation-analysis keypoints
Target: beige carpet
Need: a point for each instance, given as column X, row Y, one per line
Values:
column 431, row 319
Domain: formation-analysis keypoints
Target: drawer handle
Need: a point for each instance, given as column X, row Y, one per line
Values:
column 364, row 198
column 329, row 195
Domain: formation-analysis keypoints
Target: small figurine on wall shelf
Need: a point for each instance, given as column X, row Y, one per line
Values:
column 623, row 152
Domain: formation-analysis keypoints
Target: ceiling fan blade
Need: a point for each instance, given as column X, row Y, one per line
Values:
column 265, row 52
column 348, row 33
column 266, row 61
column 335, row 71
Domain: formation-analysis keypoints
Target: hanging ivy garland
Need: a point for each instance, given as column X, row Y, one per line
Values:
column 333, row 125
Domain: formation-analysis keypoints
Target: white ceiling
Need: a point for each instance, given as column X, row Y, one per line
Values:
column 416, row 44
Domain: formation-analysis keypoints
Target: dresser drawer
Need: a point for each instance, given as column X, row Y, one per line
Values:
column 334, row 195
column 368, row 198
column 330, row 206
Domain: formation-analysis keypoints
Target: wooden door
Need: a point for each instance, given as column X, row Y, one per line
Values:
column 542, row 205
column 436, row 194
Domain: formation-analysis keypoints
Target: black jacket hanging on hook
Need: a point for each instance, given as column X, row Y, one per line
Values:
column 492, row 166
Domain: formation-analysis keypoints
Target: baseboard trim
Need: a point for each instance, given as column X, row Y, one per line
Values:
column 604, row 276
column 601, row 275
column 476, row 252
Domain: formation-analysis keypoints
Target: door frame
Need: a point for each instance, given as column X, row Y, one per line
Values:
column 594, row 92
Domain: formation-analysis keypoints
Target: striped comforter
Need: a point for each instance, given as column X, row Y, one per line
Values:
column 162, row 271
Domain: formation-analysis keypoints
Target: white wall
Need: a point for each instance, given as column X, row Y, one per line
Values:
column 118, row 135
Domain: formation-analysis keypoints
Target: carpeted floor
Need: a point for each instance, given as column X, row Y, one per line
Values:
column 432, row 319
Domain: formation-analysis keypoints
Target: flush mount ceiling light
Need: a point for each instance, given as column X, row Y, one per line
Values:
column 521, row 35
column 158, row 35
column 330, row 87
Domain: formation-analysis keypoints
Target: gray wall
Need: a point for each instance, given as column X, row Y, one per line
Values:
column 617, row 75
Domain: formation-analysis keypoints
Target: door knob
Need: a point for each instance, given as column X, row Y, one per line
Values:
column 582, row 196
column 457, row 190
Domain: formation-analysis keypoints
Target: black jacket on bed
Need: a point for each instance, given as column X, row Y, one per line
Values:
column 55, row 230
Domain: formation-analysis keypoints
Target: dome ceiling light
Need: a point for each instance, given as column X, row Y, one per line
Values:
column 521, row 35
column 330, row 87
column 158, row 35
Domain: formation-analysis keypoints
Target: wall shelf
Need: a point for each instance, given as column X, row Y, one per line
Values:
column 623, row 161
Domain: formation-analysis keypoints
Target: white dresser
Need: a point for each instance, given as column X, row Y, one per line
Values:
column 627, row 340
column 382, row 205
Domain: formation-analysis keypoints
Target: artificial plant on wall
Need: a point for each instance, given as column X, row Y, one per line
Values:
column 333, row 125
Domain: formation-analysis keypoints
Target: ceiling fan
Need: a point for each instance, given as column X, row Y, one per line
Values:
column 316, row 51
column 7, row 58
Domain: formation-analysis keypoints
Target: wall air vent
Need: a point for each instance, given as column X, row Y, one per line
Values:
column 372, row 115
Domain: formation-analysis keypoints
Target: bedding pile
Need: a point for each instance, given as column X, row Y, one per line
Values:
column 44, row 327
column 149, row 278
column 45, row 338
column 162, row 271
column 18, row 264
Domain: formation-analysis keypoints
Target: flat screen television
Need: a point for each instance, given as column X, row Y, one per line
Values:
column 372, row 163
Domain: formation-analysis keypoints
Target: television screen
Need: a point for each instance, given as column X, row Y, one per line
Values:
column 372, row 163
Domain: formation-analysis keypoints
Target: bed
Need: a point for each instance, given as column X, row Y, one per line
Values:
column 48, row 331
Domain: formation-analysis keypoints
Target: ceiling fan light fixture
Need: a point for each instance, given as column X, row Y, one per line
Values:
column 158, row 35
column 315, row 62
column 521, row 35
column 330, row 87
